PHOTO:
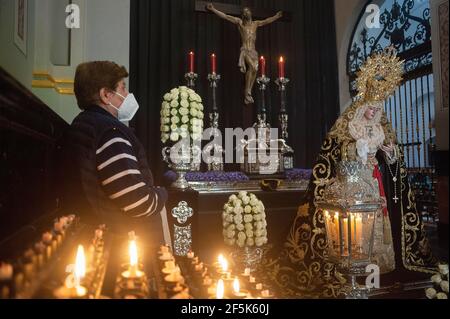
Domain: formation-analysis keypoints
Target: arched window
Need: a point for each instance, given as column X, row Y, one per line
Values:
column 405, row 24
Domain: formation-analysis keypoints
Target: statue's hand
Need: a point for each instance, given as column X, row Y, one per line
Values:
column 388, row 149
column 210, row 6
column 279, row 14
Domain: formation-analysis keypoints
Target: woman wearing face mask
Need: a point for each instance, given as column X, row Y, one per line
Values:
column 107, row 178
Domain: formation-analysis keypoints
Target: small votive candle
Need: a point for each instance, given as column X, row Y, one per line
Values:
column 252, row 280
column 266, row 294
column 190, row 255
column 247, row 272
column 259, row 287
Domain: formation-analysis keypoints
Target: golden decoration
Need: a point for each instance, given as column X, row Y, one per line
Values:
column 380, row 76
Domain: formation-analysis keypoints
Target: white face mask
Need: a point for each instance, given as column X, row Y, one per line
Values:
column 128, row 108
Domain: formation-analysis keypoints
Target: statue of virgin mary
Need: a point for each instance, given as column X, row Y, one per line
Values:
column 362, row 133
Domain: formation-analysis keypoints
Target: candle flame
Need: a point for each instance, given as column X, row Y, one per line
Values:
column 327, row 214
column 225, row 265
column 220, row 259
column 191, row 53
column 80, row 264
column 220, row 289
column 133, row 253
column 281, row 59
column 236, row 285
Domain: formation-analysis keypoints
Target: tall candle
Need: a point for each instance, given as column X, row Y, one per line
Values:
column 358, row 235
column 262, row 61
column 191, row 62
column 214, row 63
column 281, row 68
column 345, row 232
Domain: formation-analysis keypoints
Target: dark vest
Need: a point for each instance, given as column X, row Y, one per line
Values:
column 82, row 192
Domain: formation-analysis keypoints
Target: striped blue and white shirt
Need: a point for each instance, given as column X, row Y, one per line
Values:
column 121, row 179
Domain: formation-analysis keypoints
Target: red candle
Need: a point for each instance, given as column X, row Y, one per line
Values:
column 191, row 62
column 214, row 63
column 262, row 61
column 281, row 67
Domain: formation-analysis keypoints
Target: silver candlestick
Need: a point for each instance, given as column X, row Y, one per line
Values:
column 191, row 77
column 283, row 117
column 217, row 163
column 263, row 82
column 288, row 152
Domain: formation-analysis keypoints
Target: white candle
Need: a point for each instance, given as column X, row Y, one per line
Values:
column 358, row 235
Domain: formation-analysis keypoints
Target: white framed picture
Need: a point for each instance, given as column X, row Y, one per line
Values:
column 20, row 24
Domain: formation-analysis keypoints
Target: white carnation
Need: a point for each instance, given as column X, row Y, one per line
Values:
column 231, row 234
column 174, row 112
column 437, row 279
column 165, row 105
column 238, row 219
column 168, row 97
column 175, row 120
column 242, row 194
column 245, row 200
column 248, row 218
column 242, row 236
column 165, row 138
column 166, row 120
column 166, row 112
column 441, row 295
column 184, row 95
column 174, row 103
column 248, row 226
column 259, row 241
column 200, row 115
column 233, row 198
column 248, row 209
column 184, row 103
column 184, row 111
column 185, row 119
column 241, row 243
column 165, row 128
column 431, row 293
column 174, row 137
column 250, row 242
column 443, row 269
column 249, row 233
column 175, row 91
column 444, row 286
column 201, row 107
column 240, row 227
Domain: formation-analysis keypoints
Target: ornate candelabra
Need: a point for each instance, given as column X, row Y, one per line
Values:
column 217, row 162
column 191, row 77
column 288, row 152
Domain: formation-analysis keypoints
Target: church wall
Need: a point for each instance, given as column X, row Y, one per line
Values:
column 347, row 13
column 103, row 35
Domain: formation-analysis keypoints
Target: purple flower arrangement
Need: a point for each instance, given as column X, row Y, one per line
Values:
column 216, row 177
column 298, row 174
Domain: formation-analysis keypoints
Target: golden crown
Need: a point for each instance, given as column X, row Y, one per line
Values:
column 380, row 75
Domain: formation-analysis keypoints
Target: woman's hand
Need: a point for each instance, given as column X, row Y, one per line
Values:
column 389, row 150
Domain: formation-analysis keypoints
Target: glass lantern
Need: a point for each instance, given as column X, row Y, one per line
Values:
column 349, row 207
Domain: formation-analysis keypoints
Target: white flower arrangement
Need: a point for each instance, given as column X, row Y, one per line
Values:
column 181, row 115
column 244, row 221
column 440, row 282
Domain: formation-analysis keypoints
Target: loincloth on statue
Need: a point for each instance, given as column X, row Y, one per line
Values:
column 251, row 54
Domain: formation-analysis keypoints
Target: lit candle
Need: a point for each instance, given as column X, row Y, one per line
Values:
column 190, row 255
column 133, row 270
column 214, row 63
column 345, row 232
column 247, row 272
column 237, row 289
column 281, row 67
column 220, row 291
column 358, row 235
column 262, row 61
column 191, row 62
column 72, row 286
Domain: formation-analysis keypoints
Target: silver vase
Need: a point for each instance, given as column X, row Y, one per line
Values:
column 180, row 165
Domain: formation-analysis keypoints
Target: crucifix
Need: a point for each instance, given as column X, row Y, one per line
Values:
column 248, row 59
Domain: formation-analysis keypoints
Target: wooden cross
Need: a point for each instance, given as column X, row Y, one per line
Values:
column 236, row 10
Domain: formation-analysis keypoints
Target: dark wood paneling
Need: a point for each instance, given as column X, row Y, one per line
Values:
column 29, row 135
